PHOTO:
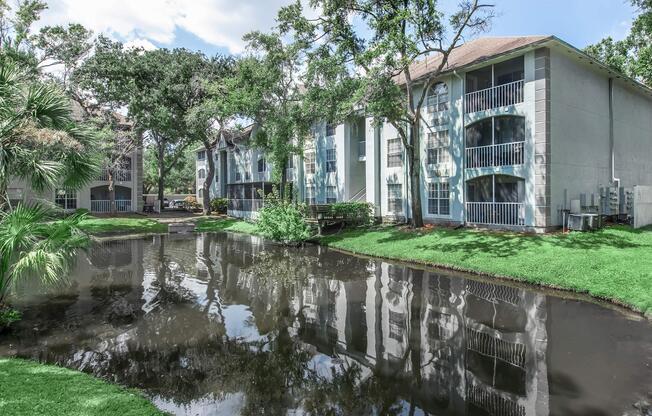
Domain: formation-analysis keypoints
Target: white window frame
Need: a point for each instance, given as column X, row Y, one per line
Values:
column 438, row 98
column 309, row 163
column 201, row 155
column 201, row 173
column 437, row 193
column 311, row 194
column 393, row 198
column 331, row 194
column 438, row 146
column 331, row 129
column 331, row 160
column 394, row 151
column 69, row 198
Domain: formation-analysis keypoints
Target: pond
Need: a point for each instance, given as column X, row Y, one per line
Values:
column 222, row 324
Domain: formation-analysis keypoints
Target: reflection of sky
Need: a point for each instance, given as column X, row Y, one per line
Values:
column 230, row 404
column 240, row 323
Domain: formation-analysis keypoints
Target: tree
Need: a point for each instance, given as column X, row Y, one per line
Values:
column 269, row 93
column 32, row 244
column 180, row 179
column 632, row 55
column 39, row 140
column 15, row 32
column 360, row 55
column 211, row 111
column 156, row 87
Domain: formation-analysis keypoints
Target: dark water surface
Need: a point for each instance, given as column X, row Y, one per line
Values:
column 223, row 324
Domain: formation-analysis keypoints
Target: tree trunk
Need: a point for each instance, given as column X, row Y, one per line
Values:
column 112, row 206
column 208, row 181
column 414, row 166
column 161, row 175
column 284, row 180
column 4, row 197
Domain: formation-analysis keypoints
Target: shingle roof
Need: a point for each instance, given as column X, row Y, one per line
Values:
column 472, row 52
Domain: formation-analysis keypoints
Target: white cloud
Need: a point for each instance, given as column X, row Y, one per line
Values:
column 217, row 22
column 140, row 43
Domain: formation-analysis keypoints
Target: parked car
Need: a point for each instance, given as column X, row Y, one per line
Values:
column 177, row 203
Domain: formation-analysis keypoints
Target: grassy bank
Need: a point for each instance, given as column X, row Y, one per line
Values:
column 614, row 263
column 115, row 226
column 225, row 224
column 29, row 388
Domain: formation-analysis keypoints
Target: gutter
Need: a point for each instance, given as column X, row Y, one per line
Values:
column 612, row 142
column 463, row 145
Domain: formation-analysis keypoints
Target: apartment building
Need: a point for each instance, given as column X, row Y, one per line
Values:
column 94, row 196
column 514, row 131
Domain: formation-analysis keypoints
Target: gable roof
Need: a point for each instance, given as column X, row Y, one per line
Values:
column 473, row 52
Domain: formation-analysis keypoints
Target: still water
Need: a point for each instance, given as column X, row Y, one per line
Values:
column 222, row 324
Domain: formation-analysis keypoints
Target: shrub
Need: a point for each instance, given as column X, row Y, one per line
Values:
column 8, row 316
column 282, row 220
column 190, row 203
column 355, row 213
column 219, row 205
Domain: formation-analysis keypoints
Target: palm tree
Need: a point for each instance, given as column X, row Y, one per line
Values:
column 40, row 141
column 31, row 243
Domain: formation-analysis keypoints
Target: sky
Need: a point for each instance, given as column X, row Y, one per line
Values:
column 217, row 26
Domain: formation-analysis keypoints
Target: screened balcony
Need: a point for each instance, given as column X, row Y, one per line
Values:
column 495, row 200
column 496, row 141
column 494, row 86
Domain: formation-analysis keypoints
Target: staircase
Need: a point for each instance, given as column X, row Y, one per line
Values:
column 360, row 196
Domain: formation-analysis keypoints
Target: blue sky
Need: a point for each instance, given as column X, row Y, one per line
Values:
column 218, row 25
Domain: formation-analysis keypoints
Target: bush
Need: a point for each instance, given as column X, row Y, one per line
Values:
column 219, row 205
column 282, row 220
column 190, row 202
column 355, row 213
column 8, row 316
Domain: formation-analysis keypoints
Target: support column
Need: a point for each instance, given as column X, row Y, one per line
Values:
column 542, row 210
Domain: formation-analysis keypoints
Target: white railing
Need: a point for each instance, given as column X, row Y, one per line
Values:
column 495, row 213
column 494, row 97
column 119, row 175
column 121, row 205
column 362, row 150
column 504, row 154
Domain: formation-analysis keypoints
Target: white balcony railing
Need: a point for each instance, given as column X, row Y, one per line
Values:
column 495, row 213
column 362, row 150
column 119, row 175
column 504, row 154
column 494, row 97
column 104, row 206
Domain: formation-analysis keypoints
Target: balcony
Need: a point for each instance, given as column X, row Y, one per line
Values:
column 504, row 154
column 119, row 175
column 362, row 150
column 104, row 206
column 494, row 97
column 495, row 213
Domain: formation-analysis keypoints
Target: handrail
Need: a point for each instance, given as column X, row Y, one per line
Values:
column 494, row 97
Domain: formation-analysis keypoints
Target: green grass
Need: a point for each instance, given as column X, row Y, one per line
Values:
column 30, row 388
column 614, row 263
column 111, row 226
column 226, row 224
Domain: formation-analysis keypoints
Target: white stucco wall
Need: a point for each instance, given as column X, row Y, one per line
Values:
column 642, row 206
column 580, row 149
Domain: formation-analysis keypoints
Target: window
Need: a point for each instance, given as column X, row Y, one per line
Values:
column 238, row 175
column 201, row 155
column 217, row 176
column 331, row 160
column 395, row 197
column 438, row 98
column 262, row 165
column 438, row 148
column 290, row 164
column 65, row 198
column 201, row 174
column 330, row 129
column 394, row 153
column 15, row 196
column 247, row 176
column 438, row 198
column 310, row 194
column 310, row 162
column 396, row 325
column 331, row 194
column 440, row 120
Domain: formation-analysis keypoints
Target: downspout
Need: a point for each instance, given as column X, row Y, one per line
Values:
column 612, row 142
column 463, row 145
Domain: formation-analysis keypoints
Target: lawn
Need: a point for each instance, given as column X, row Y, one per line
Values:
column 30, row 388
column 111, row 226
column 614, row 263
column 228, row 224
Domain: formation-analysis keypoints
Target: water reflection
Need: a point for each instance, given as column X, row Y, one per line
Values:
column 226, row 324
